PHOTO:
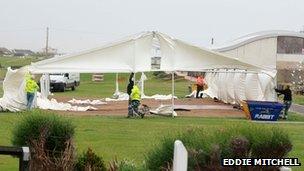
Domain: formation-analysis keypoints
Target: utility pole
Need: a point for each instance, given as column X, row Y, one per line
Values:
column 47, row 42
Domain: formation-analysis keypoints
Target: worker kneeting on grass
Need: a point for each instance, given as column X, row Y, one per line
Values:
column 287, row 99
column 31, row 88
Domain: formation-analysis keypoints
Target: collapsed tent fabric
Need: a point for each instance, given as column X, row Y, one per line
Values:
column 236, row 86
column 14, row 95
column 134, row 54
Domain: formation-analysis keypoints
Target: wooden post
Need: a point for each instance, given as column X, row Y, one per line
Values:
column 180, row 157
column 47, row 42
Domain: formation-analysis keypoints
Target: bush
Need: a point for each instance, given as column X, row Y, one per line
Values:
column 161, row 155
column 123, row 165
column 50, row 138
column 90, row 161
column 207, row 147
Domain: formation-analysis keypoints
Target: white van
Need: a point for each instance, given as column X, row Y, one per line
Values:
column 62, row 81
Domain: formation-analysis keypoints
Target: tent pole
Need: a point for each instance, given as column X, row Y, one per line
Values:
column 142, row 82
column 116, row 84
column 172, row 99
column 48, row 84
column 134, row 77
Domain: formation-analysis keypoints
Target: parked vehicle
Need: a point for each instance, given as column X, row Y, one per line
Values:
column 63, row 81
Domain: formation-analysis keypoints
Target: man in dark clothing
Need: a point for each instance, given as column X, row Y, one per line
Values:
column 129, row 91
column 287, row 99
column 131, row 84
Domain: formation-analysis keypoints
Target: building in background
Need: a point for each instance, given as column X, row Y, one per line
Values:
column 283, row 50
column 4, row 51
column 50, row 51
column 22, row 52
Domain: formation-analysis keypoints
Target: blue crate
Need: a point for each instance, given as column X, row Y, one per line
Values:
column 264, row 110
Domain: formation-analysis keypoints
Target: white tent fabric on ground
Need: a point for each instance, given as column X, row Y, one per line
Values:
column 87, row 102
column 52, row 104
column 159, row 97
column 166, row 110
column 124, row 96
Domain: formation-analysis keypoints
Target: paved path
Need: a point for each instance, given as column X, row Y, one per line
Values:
column 297, row 108
column 209, row 107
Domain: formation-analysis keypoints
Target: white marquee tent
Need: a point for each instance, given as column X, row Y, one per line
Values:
column 135, row 54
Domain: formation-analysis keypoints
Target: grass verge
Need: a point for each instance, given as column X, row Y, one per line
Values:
column 124, row 138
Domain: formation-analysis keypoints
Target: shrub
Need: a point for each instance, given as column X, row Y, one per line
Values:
column 90, row 161
column 271, row 143
column 50, row 138
column 161, row 155
column 207, row 147
column 123, row 165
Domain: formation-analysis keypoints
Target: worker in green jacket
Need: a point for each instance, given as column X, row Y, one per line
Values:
column 31, row 88
column 135, row 100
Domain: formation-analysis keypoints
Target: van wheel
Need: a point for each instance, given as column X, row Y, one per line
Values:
column 62, row 88
column 74, row 86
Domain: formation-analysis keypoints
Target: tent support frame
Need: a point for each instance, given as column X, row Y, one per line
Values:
column 173, row 92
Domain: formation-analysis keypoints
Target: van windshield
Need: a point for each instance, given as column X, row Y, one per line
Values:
column 56, row 74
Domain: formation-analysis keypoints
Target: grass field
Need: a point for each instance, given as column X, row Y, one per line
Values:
column 131, row 138
column 14, row 62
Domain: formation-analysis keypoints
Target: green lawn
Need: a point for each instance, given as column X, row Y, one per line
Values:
column 12, row 61
column 298, row 99
column 131, row 138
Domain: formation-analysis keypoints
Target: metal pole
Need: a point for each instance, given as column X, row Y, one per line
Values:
column 172, row 100
column 142, row 82
column 48, row 84
column 116, row 84
column 134, row 78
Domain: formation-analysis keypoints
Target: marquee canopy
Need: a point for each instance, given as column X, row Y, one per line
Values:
column 134, row 54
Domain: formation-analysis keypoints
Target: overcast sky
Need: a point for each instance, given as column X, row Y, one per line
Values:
column 81, row 24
